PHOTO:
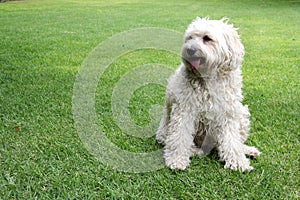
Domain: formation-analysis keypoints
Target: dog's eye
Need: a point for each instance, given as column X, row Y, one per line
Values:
column 207, row 38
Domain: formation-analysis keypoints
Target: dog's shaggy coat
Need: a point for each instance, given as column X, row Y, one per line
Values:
column 203, row 99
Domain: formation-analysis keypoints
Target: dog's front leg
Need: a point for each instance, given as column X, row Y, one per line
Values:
column 231, row 148
column 179, row 141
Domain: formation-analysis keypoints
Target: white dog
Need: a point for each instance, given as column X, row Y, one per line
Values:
column 203, row 101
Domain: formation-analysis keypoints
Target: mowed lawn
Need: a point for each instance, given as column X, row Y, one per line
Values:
column 42, row 47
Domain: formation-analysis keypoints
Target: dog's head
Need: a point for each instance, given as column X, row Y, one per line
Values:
column 212, row 47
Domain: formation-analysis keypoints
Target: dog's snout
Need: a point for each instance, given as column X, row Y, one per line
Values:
column 191, row 51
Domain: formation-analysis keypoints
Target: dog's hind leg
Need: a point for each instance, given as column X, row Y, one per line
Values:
column 161, row 133
column 251, row 151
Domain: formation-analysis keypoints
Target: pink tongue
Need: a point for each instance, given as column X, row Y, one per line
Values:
column 195, row 63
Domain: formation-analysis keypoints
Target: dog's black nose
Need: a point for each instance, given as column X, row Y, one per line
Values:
column 191, row 51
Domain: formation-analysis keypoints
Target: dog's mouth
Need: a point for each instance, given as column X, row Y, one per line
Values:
column 195, row 62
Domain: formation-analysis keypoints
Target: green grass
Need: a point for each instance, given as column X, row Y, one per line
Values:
column 42, row 47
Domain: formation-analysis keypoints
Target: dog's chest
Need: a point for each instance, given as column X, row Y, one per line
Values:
column 210, row 97
column 200, row 90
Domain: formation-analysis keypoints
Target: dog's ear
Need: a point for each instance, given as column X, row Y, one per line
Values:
column 235, row 52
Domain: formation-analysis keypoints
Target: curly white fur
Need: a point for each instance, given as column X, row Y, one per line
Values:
column 204, row 98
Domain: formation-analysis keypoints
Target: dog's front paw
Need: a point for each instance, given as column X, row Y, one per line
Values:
column 179, row 163
column 242, row 164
